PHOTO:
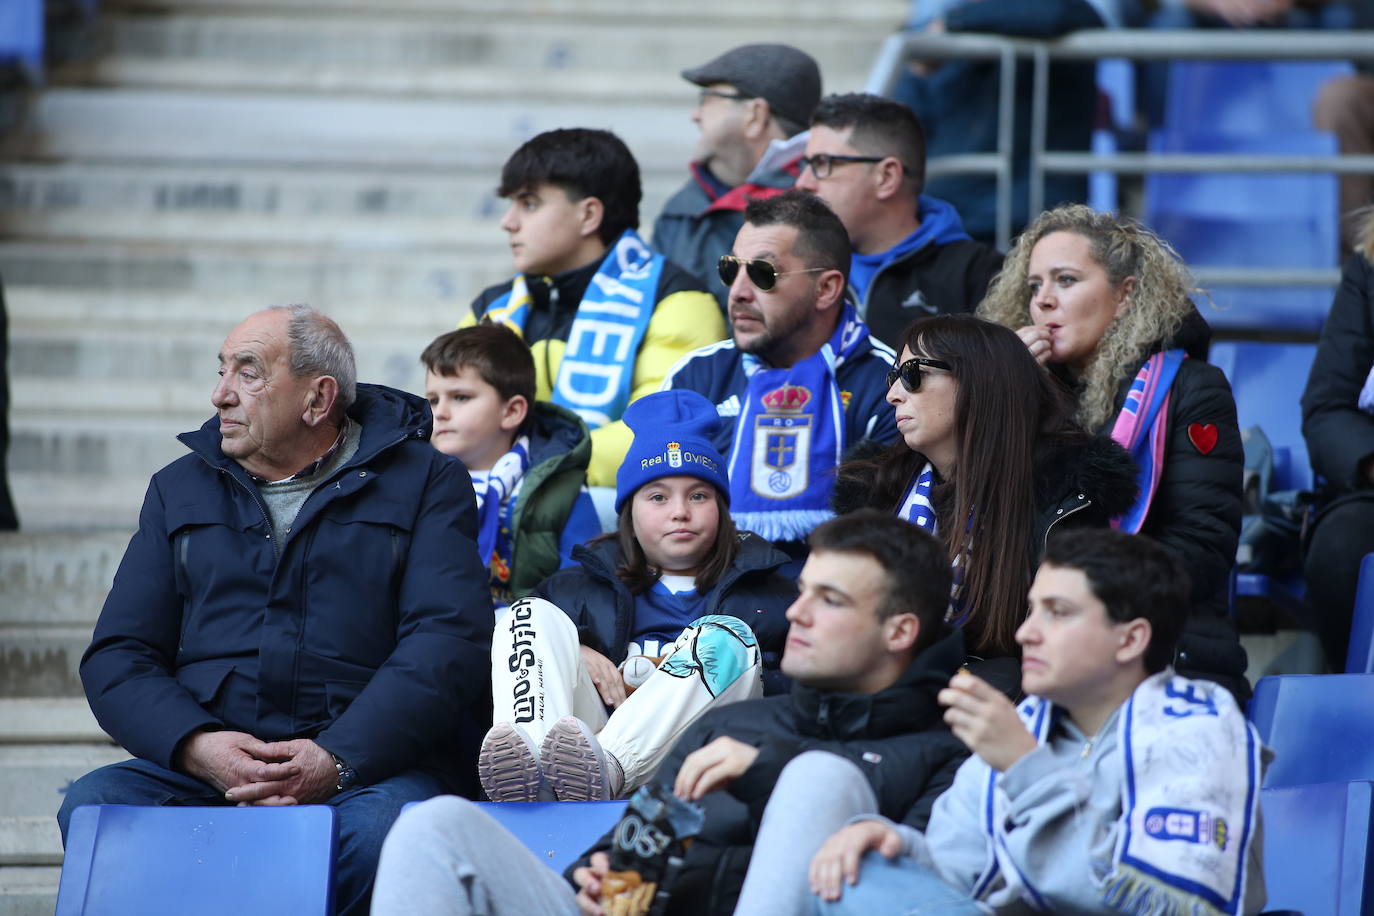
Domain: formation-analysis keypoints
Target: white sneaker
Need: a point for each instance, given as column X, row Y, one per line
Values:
column 508, row 766
column 576, row 765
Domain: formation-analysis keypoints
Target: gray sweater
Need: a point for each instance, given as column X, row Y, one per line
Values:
column 1064, row 816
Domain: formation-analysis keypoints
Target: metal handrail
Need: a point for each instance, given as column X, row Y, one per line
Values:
column 1136, row 44
column 883, row 79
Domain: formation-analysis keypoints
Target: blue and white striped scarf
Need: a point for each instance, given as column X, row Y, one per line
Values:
column 917, row 508
column 596, row 375
column 1187, row 819
column 790, row 436
column 494, row 512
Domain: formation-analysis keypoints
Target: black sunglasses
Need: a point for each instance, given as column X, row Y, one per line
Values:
column 909, row 372
column 761, row 273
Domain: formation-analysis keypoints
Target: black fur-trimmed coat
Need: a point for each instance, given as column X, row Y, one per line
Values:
column 1082, row 482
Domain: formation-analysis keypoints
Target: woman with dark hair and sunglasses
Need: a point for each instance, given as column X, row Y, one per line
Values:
column 1104, row 304
column 990, row 460
column 596, row 673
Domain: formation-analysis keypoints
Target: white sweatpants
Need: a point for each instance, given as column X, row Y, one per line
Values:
column 537, row 677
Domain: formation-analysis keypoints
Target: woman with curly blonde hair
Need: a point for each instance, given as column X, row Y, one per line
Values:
column 1103, row 303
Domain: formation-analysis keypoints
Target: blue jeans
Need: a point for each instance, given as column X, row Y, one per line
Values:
column 365, row 814
column 899, row 887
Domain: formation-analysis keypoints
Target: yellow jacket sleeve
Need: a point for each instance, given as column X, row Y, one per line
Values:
column 681, row 322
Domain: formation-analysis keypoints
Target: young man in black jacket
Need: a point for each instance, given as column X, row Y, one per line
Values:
column 868, row 652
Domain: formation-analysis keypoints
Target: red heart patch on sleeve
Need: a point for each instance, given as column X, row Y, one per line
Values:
column 1203, row 437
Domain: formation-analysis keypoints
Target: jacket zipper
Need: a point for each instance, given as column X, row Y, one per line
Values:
column 1045, row 543
column 257, row 501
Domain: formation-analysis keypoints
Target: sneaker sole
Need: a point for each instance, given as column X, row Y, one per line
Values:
column 574, row 763
column 508, row 768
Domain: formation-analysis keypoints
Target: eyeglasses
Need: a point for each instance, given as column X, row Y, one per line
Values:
column 909, row 372
column 705, row 94
column 761, row 273
column 822, row 164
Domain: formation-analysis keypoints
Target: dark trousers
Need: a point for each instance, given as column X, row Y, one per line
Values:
column 1340, row 538
column 365, row 814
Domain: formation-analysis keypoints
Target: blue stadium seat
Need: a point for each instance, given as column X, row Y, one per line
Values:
column 1316, row 848
column 21, row 36
column 1267, row 380
column 1250, row 220
column 153, row 861
column 557, row 832
column 1245, row 98
column 1319, row 725
column 1359, row 658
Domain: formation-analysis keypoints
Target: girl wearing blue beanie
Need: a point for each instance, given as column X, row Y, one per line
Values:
column 597, row 672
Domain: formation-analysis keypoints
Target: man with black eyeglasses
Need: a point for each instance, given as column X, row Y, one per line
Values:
column 801, row 382
column 866, row 158
column 752, row 110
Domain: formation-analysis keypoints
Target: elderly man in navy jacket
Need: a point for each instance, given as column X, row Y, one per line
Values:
column 301, row 616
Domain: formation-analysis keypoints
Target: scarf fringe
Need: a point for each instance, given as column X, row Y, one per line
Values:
column 784, row 525
column 1132, row 891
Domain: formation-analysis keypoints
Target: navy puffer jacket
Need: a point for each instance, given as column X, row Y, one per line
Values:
column 367, row 630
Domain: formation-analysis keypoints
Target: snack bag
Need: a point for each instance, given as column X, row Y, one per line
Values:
column 650, row 840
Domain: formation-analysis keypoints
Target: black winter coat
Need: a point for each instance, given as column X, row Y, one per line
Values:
column 1197, row 506
column 897, row 737
column 1340, row 436
column 603, row 609
column 933, row 280
column 1080, row 482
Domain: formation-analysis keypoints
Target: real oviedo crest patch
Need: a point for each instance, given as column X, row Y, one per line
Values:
column 782, row 435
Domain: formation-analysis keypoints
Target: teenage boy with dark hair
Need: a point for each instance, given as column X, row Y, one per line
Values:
column 1117, row 786
column 528, row 458
column 604, row 316
column 867, row 650
column 866, row 158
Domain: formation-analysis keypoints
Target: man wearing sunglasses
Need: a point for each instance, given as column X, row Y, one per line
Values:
column 866, row 158
column 754, row 104
column 801, row 382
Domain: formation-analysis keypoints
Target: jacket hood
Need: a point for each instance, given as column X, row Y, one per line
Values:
column 908, row 705
column 941, row 221
column 556, row 431
column 386, row 414
column 1194, row 336
column 1093, row 465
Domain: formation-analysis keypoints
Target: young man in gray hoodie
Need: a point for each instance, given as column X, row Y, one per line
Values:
column 1116, row 786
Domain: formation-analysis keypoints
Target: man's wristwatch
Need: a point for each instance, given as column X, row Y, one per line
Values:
column 347, row 775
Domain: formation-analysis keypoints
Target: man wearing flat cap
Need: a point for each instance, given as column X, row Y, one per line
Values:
column 752, row 110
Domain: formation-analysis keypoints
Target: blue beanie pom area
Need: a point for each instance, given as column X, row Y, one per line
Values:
column 673, row 432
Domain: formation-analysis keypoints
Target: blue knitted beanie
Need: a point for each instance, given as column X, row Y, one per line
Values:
column 673, row 432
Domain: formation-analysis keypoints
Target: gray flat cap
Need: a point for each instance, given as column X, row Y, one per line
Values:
column 788, row 79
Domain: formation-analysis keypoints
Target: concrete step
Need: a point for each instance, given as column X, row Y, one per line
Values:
column 417, row 52
column 54, row 579
column 49, row 720
column 293, row 128
column 33, row 779
column 648, row 13
column 35, row 311
column 154, row 190
column 28, row 891
column 265, row 274
column 56, row 501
